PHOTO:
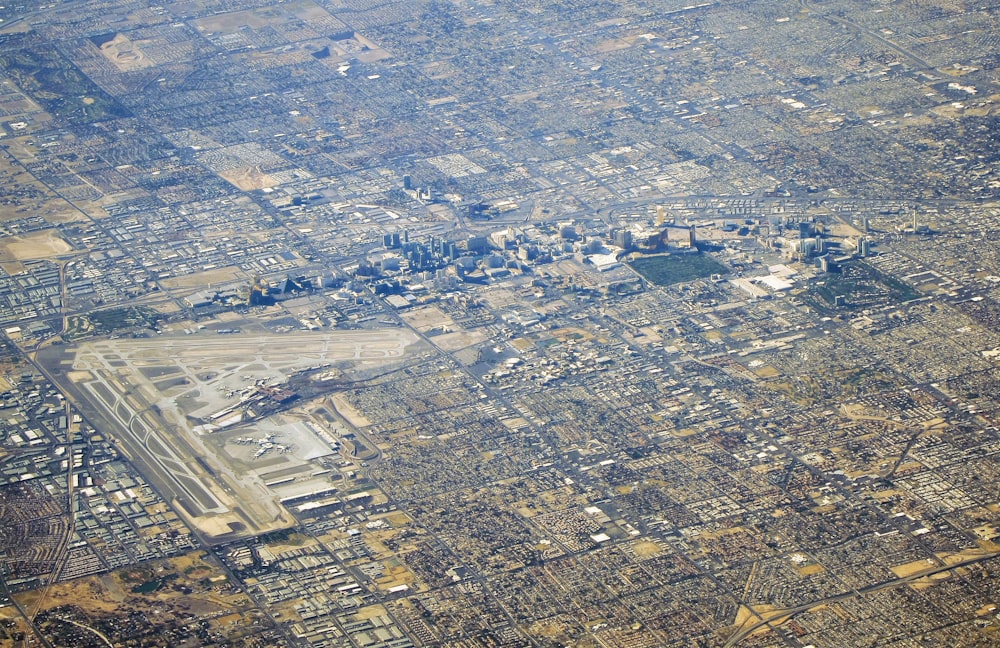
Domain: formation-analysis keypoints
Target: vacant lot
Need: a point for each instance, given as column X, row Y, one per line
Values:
column 36, row 245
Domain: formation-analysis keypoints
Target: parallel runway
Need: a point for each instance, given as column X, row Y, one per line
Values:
column 152, row 393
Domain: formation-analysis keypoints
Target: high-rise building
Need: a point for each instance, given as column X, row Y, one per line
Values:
column 477, row 244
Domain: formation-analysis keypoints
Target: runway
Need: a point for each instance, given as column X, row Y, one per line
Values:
column 154, row 394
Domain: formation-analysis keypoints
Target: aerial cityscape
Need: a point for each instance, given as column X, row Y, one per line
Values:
column 486, row 323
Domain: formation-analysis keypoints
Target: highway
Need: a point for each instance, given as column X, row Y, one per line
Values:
column 784, row 613
column 909, row 55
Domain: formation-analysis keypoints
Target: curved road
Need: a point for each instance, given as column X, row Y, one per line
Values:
column 82, row 626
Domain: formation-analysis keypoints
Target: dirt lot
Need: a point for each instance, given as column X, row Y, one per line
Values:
column 911, row 568
column 248, row 178
column 36, row 245
column 426, row 318
column 201, row 280
column 458, row 340
column 646, row 549
column 125, row 55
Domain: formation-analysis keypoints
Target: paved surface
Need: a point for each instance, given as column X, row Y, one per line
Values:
column 150, row 394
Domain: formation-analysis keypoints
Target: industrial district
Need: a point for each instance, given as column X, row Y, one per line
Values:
column 485, row 323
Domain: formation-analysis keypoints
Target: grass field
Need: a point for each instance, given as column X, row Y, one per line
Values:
column 54, row 82
column 666, row 269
